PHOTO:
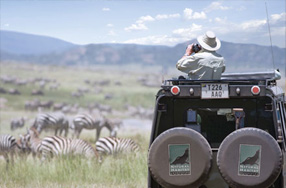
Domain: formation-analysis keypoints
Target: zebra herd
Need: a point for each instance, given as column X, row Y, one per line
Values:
column 51, row 146
column 57, row 145
column 60, row 123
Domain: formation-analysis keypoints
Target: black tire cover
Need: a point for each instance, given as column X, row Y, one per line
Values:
column 248, row 158
column 200, row 158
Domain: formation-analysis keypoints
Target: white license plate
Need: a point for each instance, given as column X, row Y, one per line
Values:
column 214, row 91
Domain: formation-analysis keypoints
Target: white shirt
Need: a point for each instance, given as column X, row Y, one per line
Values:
column 204, row 65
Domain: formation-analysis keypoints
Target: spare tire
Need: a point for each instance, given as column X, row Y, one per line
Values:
column 249, row 158
column 180, row 157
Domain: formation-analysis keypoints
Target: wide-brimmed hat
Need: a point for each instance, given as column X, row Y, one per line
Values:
column 209, row 41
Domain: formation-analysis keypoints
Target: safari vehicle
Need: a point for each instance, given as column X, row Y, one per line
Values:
column 219, row 133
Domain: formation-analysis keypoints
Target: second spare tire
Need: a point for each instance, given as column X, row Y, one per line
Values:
column 249, row 158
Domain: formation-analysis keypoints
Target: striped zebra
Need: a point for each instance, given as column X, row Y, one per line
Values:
column 114, row 146
column 17, row 123
column 34, row 141
column 23, row 146
column 56, row 121
column 9, row 146
column 58, row 146
column 86, row 121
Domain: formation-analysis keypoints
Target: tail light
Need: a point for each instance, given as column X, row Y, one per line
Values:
column 255, row 90
column 175, row 90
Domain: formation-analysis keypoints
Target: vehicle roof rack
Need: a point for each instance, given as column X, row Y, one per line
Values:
column 265, row 75
column 249, row 78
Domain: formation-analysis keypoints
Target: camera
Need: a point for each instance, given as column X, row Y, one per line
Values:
column 196, row 47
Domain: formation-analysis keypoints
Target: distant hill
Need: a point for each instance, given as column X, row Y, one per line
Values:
column 238, row 56
column 27, row 44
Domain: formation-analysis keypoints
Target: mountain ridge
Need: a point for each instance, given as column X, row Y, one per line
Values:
column 236, row 54
column 29, row 44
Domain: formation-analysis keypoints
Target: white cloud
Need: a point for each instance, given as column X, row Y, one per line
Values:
column 156, row 40
column 136, row 27
column 166, row 16
column 225, row 29
column 105, row 9
column 189, row 15
column 252, row 24
column 143, row 19
column 140, row 24
column 162, row 16
column 274, row 18
column 221, row 20
column 174, row 15
column 250, row 27
column 109, row 25
column 188, row 33
column 200, row 15
column 216, row 6
column 223, row 26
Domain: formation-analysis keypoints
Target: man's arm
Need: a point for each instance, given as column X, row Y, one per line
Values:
column 189, row 51
column 187, row 63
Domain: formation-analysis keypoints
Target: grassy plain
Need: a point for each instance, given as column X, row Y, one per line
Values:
column 122, row 171
column 125, row 171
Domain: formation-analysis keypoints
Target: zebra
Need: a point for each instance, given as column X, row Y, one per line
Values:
column 17, row 123
column 114, row 146
column 23, row 145
column 57, row 146
column 7, row 147
column 86, row 121
column 10, row 146
column 34, row 141
column 57, row 121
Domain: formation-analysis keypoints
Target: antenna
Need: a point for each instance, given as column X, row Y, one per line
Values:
column 270, row 41
column 270, row 36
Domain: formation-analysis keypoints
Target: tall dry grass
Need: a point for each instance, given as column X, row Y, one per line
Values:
column 125, row 170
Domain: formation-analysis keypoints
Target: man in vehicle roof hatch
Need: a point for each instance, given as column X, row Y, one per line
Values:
column 201, row 62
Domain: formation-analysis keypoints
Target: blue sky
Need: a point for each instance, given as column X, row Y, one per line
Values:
column 146, row 22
